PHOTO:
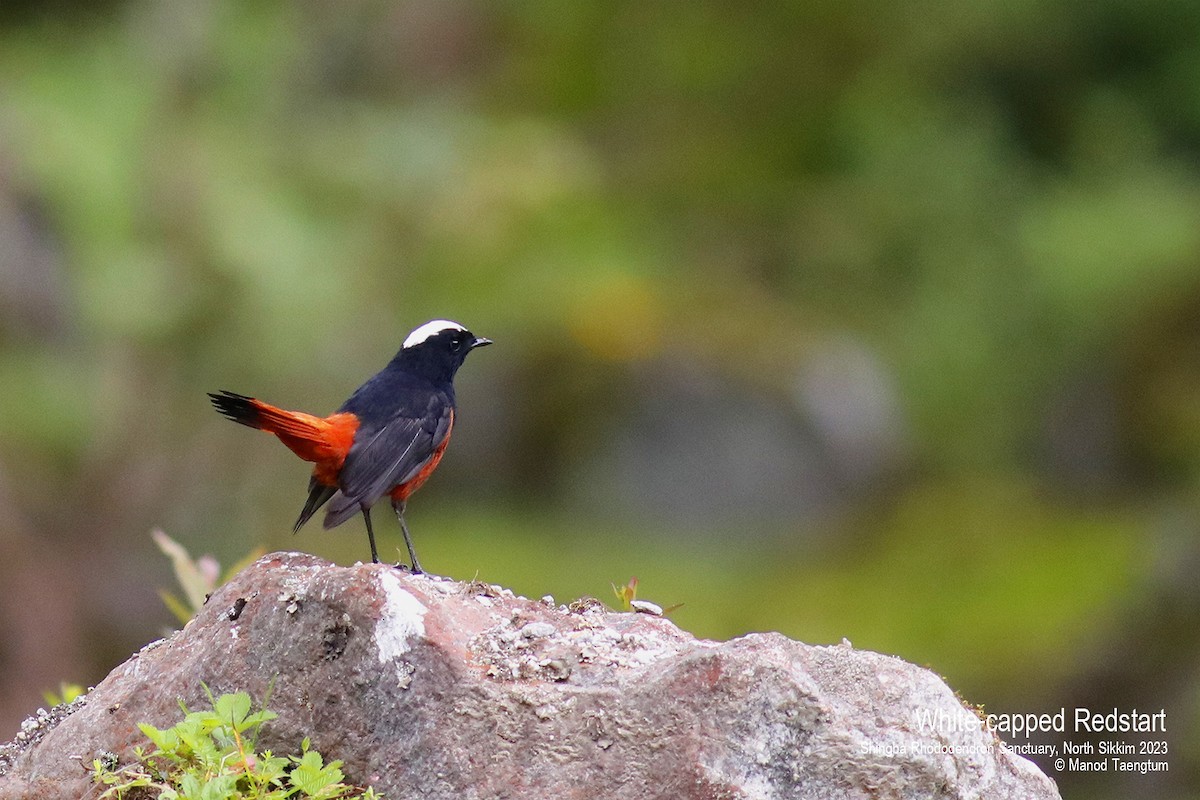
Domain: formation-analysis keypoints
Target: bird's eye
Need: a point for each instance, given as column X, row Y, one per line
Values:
column 456, row 344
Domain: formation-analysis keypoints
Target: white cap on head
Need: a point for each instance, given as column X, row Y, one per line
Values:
column 432, row 328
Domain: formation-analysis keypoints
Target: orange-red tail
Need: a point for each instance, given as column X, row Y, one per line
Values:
column 324, row 441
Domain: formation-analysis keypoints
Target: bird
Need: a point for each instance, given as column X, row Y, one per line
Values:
column 386, row 439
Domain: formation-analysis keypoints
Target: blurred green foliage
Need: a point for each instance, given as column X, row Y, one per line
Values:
column 944, row 256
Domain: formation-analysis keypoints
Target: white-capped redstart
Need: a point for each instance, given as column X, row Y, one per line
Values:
column 387, row 439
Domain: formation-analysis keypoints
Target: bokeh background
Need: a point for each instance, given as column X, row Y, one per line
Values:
column 844, row 319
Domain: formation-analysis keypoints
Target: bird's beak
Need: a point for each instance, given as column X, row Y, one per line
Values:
column 480, row 342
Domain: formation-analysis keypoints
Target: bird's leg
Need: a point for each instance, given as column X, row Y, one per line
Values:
column 370, row 535
column 398, row 505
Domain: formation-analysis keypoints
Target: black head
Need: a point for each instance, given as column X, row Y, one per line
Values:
column 437, row 349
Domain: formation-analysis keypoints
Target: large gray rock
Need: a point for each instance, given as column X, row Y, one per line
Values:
column 430, row 688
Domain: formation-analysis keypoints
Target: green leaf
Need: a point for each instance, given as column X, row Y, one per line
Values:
column 311, row 776
column 232, row 708
column 190, row 786
column 271, row 769
column 220, row 787
column 166, row 740
column 256, row 719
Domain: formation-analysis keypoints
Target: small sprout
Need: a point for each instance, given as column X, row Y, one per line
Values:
column 627, row 594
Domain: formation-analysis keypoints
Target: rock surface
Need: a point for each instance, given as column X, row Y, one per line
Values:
column 430, row 688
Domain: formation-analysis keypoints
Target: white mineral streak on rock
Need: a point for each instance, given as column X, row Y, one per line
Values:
column 401, row 620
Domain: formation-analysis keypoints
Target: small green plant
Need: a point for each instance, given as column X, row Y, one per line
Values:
column 198, row 577
column 211, row 755
column 627, row 595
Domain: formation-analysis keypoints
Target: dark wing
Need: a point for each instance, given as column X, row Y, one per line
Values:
column 385, row 457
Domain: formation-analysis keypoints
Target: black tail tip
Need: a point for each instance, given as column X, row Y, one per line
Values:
column 234, row 406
